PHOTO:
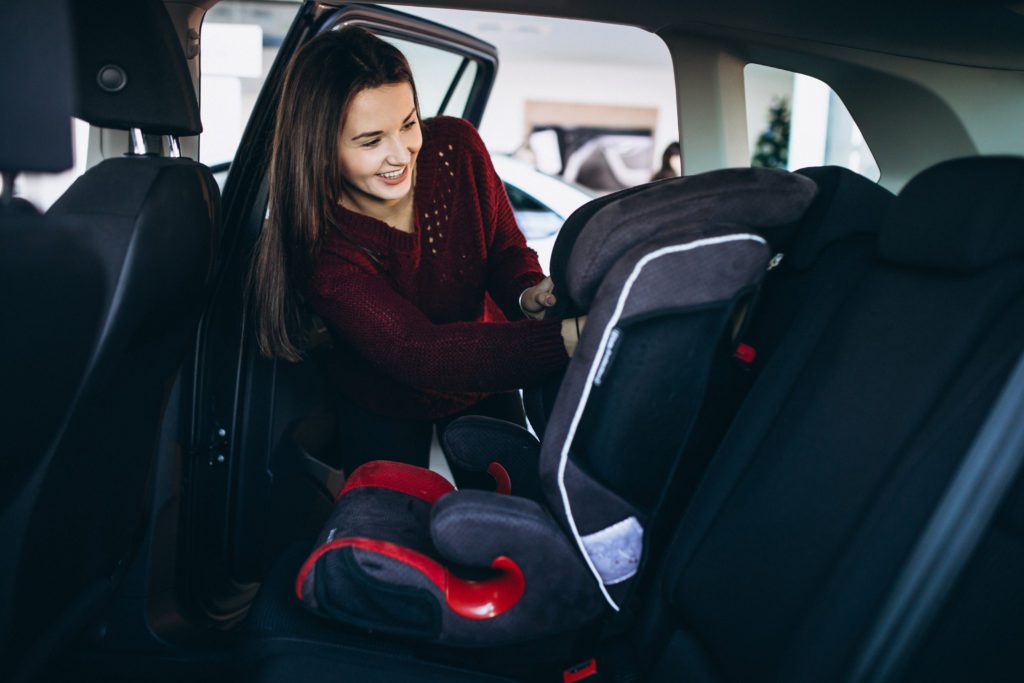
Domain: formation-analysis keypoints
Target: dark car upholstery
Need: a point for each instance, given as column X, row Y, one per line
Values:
column 149, row 224
column 843, row 447
column 829, row 248
column 51, row 289
column 50, row 326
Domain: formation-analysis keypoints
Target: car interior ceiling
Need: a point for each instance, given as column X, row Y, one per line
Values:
column 167, row 484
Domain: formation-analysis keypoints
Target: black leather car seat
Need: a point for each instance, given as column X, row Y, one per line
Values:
column 838, row 457
column 829, row 248
column 661, row 273
column 151, row 222
column 52, row 287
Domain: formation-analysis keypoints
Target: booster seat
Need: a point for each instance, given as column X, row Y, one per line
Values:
column 661, row 271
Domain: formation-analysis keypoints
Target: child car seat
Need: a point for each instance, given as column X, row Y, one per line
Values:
column 661, row 271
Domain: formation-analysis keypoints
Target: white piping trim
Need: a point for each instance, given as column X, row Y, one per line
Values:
column 598, row 356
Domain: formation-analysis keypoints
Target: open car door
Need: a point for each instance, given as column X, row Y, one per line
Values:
column 258, row 472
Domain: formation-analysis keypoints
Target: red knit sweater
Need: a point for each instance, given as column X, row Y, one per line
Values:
column 412, row 334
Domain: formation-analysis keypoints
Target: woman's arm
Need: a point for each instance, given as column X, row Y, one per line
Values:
column 395, row 336
column 512, row 266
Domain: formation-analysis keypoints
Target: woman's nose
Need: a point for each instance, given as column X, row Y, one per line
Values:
column 398, row 154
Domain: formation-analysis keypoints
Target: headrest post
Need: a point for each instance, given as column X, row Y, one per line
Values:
column 145, row 144
column 136, row 142
column 173, row 148
column 7, row 192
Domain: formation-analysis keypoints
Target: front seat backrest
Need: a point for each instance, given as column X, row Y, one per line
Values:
column 48, row 323
column 152, row 221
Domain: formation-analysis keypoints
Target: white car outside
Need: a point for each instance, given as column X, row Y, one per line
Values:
column 541, row 203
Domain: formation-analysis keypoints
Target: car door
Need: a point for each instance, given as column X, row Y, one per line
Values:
column 258, row 470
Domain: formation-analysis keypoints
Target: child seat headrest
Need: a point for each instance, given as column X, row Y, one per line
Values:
column 744, row 197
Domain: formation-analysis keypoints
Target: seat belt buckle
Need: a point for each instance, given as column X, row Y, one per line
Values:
column 745, row 354
column 586, row 670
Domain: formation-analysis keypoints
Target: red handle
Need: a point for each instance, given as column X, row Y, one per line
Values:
column 488, row 598
column 502, row 482
column 484, row 599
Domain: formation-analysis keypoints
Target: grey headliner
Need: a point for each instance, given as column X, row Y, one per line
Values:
column 978, row 33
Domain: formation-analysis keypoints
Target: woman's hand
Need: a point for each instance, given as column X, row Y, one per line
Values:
column 571, row 330
column 537, row 299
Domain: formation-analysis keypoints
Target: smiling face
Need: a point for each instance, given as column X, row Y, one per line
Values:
column 380, row 140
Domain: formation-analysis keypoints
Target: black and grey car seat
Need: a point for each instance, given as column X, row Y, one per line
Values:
column 661, row 273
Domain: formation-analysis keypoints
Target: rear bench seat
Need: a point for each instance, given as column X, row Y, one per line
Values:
column 842, row 450
column 829, row 249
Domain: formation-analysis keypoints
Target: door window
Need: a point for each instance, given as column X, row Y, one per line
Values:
column 444, row 80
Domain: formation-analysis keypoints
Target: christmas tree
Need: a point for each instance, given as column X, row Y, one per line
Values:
column 772, row 150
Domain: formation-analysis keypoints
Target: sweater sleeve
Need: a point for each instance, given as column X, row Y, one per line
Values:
column 511, row 265
column 396, row 337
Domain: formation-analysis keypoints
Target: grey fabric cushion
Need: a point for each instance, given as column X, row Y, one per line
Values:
column 414, row 578
column 751, row 198
column 688, row 268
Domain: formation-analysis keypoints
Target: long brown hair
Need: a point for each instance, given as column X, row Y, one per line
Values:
column 305, row 174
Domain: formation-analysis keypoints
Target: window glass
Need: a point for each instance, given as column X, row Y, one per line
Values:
column 534, row 219
column 434, row 70
column 794, row 121
column 240, row 42
column 460, row 95
column 521, row 201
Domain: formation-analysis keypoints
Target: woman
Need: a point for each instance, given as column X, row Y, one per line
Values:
column 395, row 231
column 671, row 162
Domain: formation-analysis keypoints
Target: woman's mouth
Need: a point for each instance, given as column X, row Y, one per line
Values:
column 394, row 177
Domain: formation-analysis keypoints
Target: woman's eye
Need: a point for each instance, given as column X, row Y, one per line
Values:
column 408, row 125
column 371, row 143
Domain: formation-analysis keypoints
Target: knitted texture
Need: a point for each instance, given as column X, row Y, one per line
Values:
column 415, row 335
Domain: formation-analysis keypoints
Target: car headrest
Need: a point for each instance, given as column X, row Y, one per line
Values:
column 747, row 198
column 36, row 79
column 961, row 215
column 132, row 71
column 846, row 204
